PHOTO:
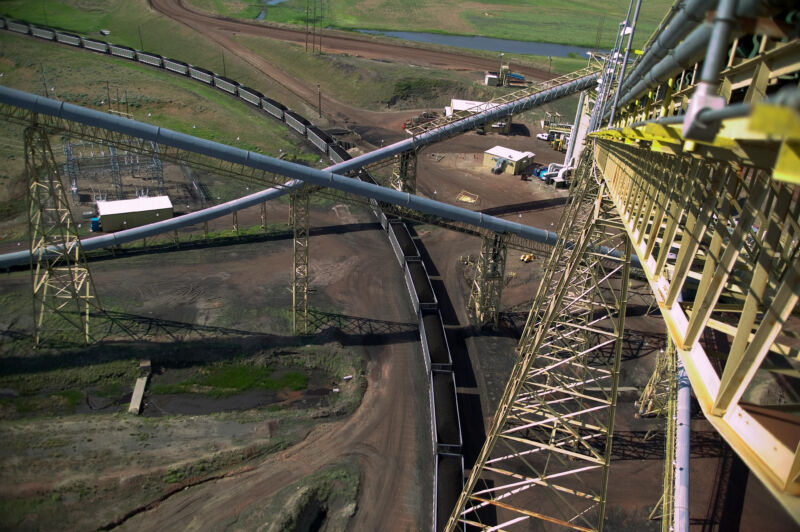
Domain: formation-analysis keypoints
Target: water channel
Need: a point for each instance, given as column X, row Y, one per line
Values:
column 487, row 43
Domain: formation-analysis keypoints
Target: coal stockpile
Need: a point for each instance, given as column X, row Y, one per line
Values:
column 434, row 335
column 444, row 394
column 404, row 240
column 449, row 470
column 422, row 285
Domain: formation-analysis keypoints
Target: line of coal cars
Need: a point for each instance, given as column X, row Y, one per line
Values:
column 316, row 136
column 445, row 424
column 445, row 421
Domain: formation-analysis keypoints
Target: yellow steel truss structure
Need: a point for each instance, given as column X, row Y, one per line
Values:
column 62, row 285
column 718, row 240
column 547, row 453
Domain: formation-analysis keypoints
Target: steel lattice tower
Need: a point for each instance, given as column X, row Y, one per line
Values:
column 550, row 440
column 62, row 284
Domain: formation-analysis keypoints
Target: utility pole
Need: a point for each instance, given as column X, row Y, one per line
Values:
column 314, row 28
column 306, row 25
column 319, row 101
column 108, row 95
column 224, row 70
column 44, row 80
column 141, row 43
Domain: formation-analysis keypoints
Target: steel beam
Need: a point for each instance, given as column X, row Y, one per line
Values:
column 547, row 453
column 63, row 293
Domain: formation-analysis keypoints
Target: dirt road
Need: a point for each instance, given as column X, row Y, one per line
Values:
column 384, row 125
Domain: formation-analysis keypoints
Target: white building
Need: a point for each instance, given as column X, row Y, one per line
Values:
column 126, row 214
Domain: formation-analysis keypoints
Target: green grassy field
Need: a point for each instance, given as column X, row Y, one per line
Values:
column 573, row 23
column 133, row 23
column 150, row 95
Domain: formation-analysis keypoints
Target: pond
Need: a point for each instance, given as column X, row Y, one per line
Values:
column 487, row 43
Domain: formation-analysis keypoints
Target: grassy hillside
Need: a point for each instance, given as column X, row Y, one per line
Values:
column 574, row 23
column 133, row 23
column 150, row 95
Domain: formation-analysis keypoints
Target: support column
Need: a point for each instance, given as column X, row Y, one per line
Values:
column 404, row 173
column 487, row 285
column 62, row 284
column 300, row 223
column 264, row 217
column 548, row 449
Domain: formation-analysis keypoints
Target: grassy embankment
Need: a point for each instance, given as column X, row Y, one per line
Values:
column 90, row 469
column 573, row 23
column 150, row 95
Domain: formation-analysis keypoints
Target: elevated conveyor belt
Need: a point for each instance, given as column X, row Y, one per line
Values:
column 64, row 117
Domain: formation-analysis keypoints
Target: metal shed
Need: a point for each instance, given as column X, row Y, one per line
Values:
column 126, row 214
column 506, row 160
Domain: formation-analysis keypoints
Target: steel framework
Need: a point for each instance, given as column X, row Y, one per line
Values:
column 62, row 285
column 719, row 242
column 548, row 450
column 404, row 172
column 487, row 283
column 299, row 214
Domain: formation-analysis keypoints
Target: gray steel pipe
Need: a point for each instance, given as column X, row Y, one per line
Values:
column 130, row 235
column 632, row 27
column 682, row 57
column 501, row 111
column 663, row 60
column 689, row 15
column 683, row 438
column 325, row 178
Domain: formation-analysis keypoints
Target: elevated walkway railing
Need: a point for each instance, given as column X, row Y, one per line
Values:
column 502, row 102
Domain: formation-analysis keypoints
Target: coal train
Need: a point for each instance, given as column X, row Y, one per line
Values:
column 321, row 140
column 445, row 422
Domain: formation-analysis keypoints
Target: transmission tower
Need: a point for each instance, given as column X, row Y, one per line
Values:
column 299, row 218
column 62, row 285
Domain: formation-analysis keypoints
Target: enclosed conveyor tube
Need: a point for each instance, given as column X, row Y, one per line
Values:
column 165, row 226
column 216, row 150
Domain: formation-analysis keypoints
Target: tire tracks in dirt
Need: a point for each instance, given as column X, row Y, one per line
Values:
column 221, row 30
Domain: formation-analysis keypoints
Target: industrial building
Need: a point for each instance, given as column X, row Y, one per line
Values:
column 506, row 160
column 126, row 214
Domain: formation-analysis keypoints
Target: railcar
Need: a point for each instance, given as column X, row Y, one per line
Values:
column 173, row 65
column 251, row 96
column 274, row 108
column 43, row 33
column 445, row 408
column 296, row 122
column 19, row 27
column 434, row 341
column 201, row 74
column 226, row 84
column 339, row 155
column 95, row 46
column 68, row 38
column 319, row 138
column 448, row 481
column 122, row 51
column 149, row 59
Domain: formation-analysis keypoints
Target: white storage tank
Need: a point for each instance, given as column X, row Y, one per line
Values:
column 126, row 214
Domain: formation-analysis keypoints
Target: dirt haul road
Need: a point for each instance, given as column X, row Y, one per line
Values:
column 386, row 125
